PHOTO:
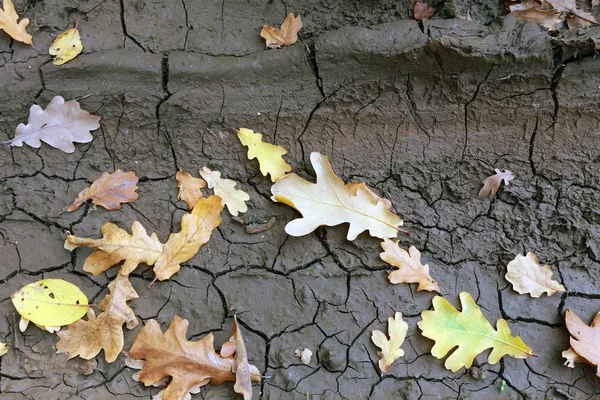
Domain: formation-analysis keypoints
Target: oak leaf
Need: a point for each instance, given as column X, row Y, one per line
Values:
column 410, row 269
column 286, row 35
column 422, row 11
column 329, row 202
column 390, row 348
column 196, row 229
column 585, row 340
column 87, row 338
column 528, row 276
column 117, row 245
column 59, row 125
column 234, row 199
column 8, row 23
column 189, row 364
column 241, row 368
column 353, row 188
column 189, row 188
column 548, row 18
column 109, row 191
column 268, row 155
column 469, row 332
column 66, row 46
column 491, row 184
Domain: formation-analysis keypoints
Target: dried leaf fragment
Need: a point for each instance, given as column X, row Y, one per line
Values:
column 109, row 191
column 390, row 348
column 66, row 46
column 410, row 269
column 59, row 125
column 422, row 11
column 491, row 184
column 528, row 276
column 286, row 35
column 3, row 349
column 8, row 23
column 268, row 155
column 241, row 368
column 304, row 355
column 585, row 340
column 549, row 18
column 571, row 357
column 189, row 188
column 234, row 199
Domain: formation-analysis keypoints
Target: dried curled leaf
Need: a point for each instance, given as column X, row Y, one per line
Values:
column 8, row 23
column 585, row 340
column 286, row 35
column 390, row 348
column 241, row 368
column 66, row 46
column 469, row 332
column 329, row 202
column 268, row 155
column 109, row 191
column 410, row 269
column 189, row 188
column 422, row 11
column 87, row 338
column 233, row 198
column 491, row 184
column 59, row 125
column 304, row 355
column 528, row 276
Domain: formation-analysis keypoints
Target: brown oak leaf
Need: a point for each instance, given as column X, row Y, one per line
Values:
column 87, row 338
column 109, row 191
column 189, row 188
column 585, row 340
column 422, row 11
column 491, row 184
column 8, row 23
column 410, row 269
column 286, row 35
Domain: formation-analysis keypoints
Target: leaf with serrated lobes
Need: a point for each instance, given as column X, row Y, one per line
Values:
column 109, row 191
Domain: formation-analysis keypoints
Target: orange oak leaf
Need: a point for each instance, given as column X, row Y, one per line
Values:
column 189, row 188
column 286, row 35
column 585, row 340
column 196, row 229
column 189, row 364
column 422, row 11
column 8, row 23
column 109, row 191
column 87, row 338
column 410, row 269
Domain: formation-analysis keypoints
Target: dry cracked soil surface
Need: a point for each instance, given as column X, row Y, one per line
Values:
column 421, row 112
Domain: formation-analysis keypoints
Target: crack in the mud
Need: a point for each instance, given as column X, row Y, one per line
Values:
column 466, row 111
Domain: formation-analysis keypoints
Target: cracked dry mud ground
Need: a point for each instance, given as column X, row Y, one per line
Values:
column 421, row 113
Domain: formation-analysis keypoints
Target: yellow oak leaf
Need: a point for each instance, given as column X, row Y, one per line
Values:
column 268, row 155
column 234, row 199
column 87, row 338
column 117, row 245
column 390, row 348
column 329, row 202
column 286, row 35
column 66, row 46
column 410, row 269
column 189, row 188
column 585, row 340
column 469, row 332
column 50, row 302
column 528, row 276
column 8, row 23
column 196, row 229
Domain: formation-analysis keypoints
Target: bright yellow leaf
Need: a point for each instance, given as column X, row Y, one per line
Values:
column 66, row 46
column 528, row 276
column 470, row 332
column 8, row 23
column 268, row 155
column 390, row 348
column 234, row 199
column 50, row 302
column 410, row 269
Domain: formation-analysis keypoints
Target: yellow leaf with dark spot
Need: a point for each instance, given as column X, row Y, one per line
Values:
column 66, row 46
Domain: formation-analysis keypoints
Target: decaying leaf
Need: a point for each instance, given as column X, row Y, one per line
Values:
column 585, row 340
column 550, row 18
column 528, row 276
column 469, row 332
column 410, row 269
column 87, row 338
column 117, row 245
column 286, row 35
column 51, row 302
column 550, row 13
column 390, row 348
column 3, row 349
column 571, row 357
column 189, row 364
column 353, row 188
column 196, row 229
column 329, row 202
column 66, row 46
column 422, row 11
column 241, row 368
column 8, row 23
column 234, row 199
column 59, row 125
column 189, row 188
column 304, row 355
column 268, row 155
column 491, row 184
column 109, row 191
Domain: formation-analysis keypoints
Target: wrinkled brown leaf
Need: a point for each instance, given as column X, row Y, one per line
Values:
column 189, row 188
column 585, row 340
column 109, row 191
column 422, row 11
column 491, row 184
column 410, row 269
column 286, row 35
column 8, row 23
column 550, row 19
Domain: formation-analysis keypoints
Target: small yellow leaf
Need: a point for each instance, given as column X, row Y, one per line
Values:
column 528, row 276
column 233, row 198
column 3, row 349
column 8, row 23
column 390, row 348
column 410, row 269
column 66, row 46
column 50, row 302
column 269, row 156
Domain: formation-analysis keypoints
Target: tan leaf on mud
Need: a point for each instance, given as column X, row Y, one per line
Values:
column 117, row 245
column 196, row 229
column 234, row 199
column 66, row 46
column 286, row 35
column 241, row 368
column 528, row 276
column 189, row 188
column 410, row 269
column 422, row 11
column 585, row 340
column 189, row 364
column 353, row 188
column 59, row 125
column 8, row 23
column 491, row 184
column 390, row 348
column 109, row 191
column 329, row 202
column 304, row 355
column 571, row 357
column 551, row 19
column 87, row 338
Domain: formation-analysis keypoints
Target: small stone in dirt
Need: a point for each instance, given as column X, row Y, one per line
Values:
column 477, row 373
